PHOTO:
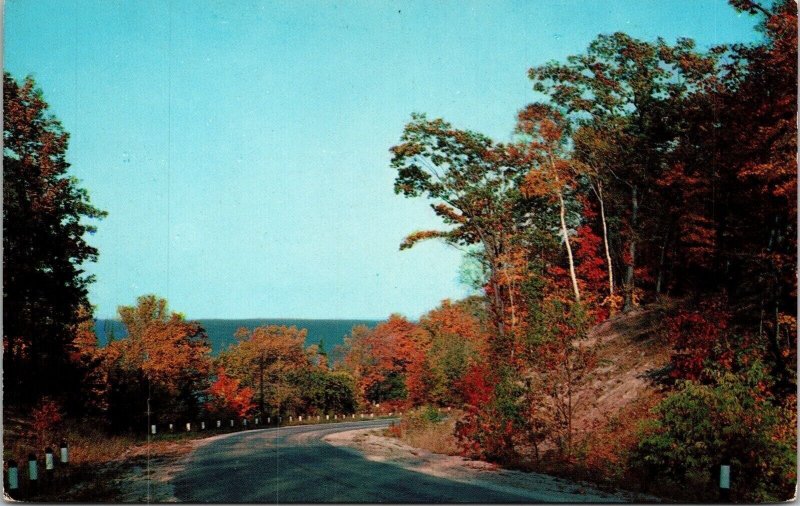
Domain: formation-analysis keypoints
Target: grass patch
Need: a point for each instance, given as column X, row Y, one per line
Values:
column 96, row 459
column 428, row 429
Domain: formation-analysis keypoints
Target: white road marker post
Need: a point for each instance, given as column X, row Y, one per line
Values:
column 231, row 422
column 49, row 462
column 300, row 418
column 327, row 417
column 153, row 429
column 219, row 424
column 13, row 475
column 202, row 425
column 49, row 466
column 269, row 420
column 725, row 483
column 188, row 426
column 33, row 471
column 171, row 427
column 64, row 452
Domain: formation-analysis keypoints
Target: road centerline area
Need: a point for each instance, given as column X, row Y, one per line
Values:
column 295, row 465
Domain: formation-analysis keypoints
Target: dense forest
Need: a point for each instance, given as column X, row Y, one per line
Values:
column 649, row 173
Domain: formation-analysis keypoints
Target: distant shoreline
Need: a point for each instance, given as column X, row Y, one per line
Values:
column 330, row 332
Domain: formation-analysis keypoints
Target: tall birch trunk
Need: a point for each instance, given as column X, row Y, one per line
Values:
column 564, row 231
column 569, row 249
column 605, row 238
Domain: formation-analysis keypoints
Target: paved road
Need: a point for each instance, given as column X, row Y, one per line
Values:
column 293, row 464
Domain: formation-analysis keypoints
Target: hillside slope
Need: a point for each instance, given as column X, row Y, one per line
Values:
column 630, row 352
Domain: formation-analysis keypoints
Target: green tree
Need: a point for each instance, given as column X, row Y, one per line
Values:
column 457, row 339
column 732, row 421
column 322, row 391
column 473, row 186
column 44, row 225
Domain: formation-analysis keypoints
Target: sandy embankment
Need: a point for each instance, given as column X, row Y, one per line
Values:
column 539, row 487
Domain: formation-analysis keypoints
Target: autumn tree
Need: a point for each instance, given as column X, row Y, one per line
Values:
column 228, row 398
column 418, row 363
column 91, row 360
column 762, row 252
column 737, row 144
column 381, row 359
column 620, row 92
column 264, row 358
column 475, row 194
column 354, row 356
column 458, row 339
column 551, row 172
column 46, row 216
column 394, row 345
column 163, row 362
column 494, row 425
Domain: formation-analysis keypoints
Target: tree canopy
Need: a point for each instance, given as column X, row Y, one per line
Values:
column 46, row 218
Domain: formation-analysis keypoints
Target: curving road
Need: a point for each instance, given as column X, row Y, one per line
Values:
column 294, row 465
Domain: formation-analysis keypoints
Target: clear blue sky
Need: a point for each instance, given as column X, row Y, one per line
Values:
column 241, row 148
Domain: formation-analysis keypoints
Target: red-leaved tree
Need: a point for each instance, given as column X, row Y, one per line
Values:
column 227, row 397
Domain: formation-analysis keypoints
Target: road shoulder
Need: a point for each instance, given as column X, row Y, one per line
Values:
column 147, row 475
column 539, row 487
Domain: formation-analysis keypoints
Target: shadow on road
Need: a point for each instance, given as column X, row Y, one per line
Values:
column 294, row 465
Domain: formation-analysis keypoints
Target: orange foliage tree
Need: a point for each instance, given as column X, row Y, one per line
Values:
column 552, row 174
column 162, row 362
column 457, row 340
column 91, row 360
column 265, row 358
column 401, row 362
column 380, row 358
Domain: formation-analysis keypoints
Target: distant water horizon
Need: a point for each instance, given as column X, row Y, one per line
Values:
column 330, row 332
